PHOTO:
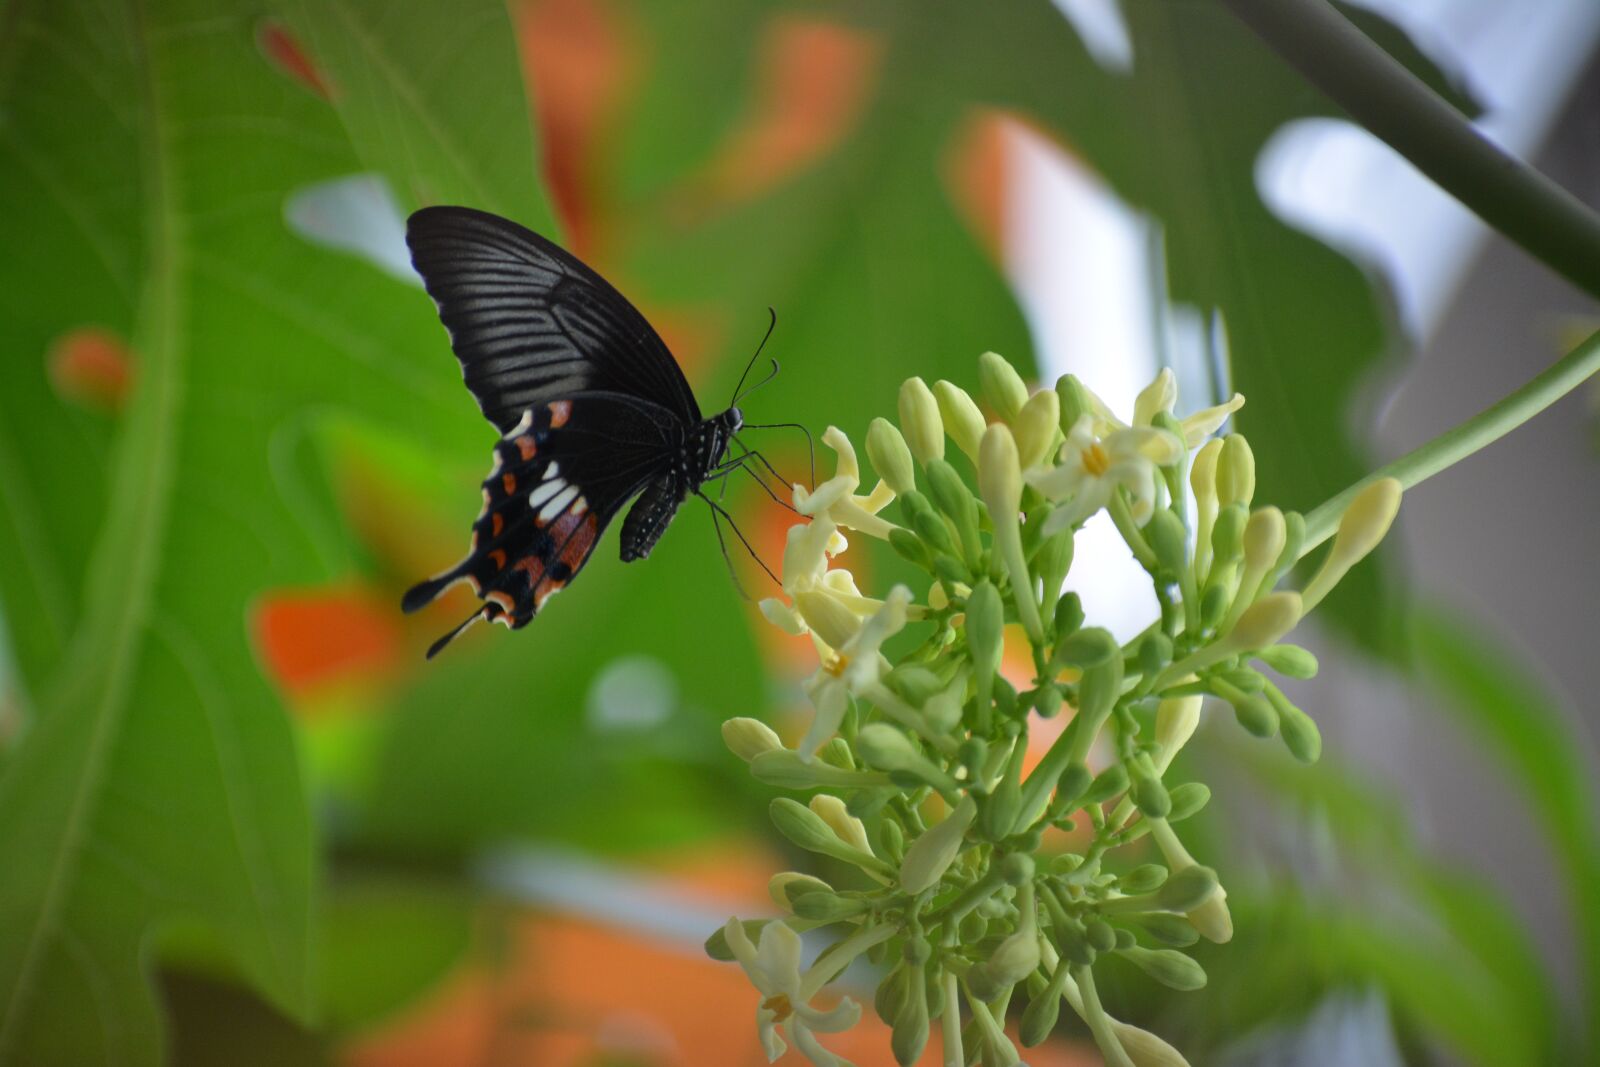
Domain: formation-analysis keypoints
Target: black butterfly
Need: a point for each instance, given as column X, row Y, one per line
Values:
column 591, row 407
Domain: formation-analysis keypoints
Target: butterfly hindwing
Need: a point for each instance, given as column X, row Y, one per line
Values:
column 560, row 474
column 531, row 323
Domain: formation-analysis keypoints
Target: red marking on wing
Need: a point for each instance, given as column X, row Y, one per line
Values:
column 509, row 480
column 560, row 412
column 91, row 366
column 498, row 557
column 284, row 51
column 527, row 446
column 496, row 523
column 582, row 531
column 534, row 566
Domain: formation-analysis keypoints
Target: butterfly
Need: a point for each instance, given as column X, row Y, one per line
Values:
column 591, row 408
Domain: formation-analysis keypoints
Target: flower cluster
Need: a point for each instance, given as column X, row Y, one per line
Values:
column 923, row 793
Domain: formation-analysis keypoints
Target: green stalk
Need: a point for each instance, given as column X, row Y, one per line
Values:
column 1494, row 422
column 1378, row 92
column 1099, row 1022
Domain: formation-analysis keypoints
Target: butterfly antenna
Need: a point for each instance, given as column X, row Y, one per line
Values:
column 737, row 390
column 719, row 510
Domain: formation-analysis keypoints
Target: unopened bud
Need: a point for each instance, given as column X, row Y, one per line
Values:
column 849, row 828
column 1289, row 660
column 890, row 456
column 1236, row 471
column 1265, row 622
column 1167, row 966
column 962, row 419
column 827, row 617
column 1037, row 426
column 1002, row 386
column 930, row 855
column 749, row 738
column 785, row 886
column 919, row 418
column 1363, row 525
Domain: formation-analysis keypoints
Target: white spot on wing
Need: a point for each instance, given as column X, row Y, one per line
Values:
column 559, row 504
column 545, row 490
column 521, row 427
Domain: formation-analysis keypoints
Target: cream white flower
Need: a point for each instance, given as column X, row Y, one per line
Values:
column 853, row 663
column 773, row 967
column 1092, row 467
column 806, row 556
column 1161, row 396
column 836, row 498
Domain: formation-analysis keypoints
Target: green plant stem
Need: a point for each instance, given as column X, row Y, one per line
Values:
column 1099, row 1022
column 1494, row 422
column 1378, row 92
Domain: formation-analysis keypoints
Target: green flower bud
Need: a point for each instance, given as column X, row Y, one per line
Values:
column 997, row 816
column 1289, row 660
column 749, row 738
column 1214, row 605
column 1187, row 800
column 1265, row 622
column 785, row 886
column 803, row 826
column 1016, row 958
column 828, row 907
column 1176, row 721
column 1167, row 966
column 1073, row 943
column 1111, row 782
column 1169, row 540
column 951, row 570
column 1300, row 733
column 1263, row 540
column 891, row 841
column 1074, row 400
column 914, row 684
column 1047, row 701
column 909, row 547
column 1155, row 652
column 919, row 418
column 973, row 927
column 910, row 1034
column 1145, row 1049
column 1236, row 471
column 1017, row 868
column 1187, row 889
column 790, row 770
column 1069, row 615
column 1145, row 878
column 1086, row 648
column 930, row 855
column 1100, row 935
column 890, row 456
column 1168, row 929
column 1227, row 536
column 1002, row 386
column 885, row 747
column 1037, row 427
column 986, row 622
column 891, row 993
column 717, row 944
column 951, row 496
column 917, row 950
column 973, row 755
column 1149, row 795
column 962, row 419
column 1256, row 714
column 927, row 523
column 1039, row 1019
column 1125, row 939
column 1073, row 784
column 1243, row 679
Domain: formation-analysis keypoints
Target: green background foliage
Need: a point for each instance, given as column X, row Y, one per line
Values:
column 159, row 806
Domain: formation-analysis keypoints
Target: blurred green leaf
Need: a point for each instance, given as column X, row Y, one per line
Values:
column 384, row 944
column 155, row 787
column 1522, row 726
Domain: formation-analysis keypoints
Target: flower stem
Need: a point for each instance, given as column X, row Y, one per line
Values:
column 1494, row 422
column 950, row 1019
column 833, row 962
column 1378, row 92
column 1099, row 1022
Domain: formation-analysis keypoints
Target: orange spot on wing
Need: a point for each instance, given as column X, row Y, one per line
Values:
column 91, row 366
column 310, row 639
column 498, row 557
column 581, row 542
column 534, row 566
column 560, row 412
column 509, row 480
column 284, row 51
column 496, row 524
column 527, row 446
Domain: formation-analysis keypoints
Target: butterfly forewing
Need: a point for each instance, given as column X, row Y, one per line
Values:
column 530, row 323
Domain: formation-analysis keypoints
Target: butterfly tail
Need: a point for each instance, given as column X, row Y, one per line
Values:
column 424, row 593
column 438, row 646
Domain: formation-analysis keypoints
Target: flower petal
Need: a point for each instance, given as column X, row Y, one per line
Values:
column 843, row 1016
column 829, row 696
column 778, row 954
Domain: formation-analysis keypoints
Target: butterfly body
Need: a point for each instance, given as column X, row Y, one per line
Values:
column 591, row 407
